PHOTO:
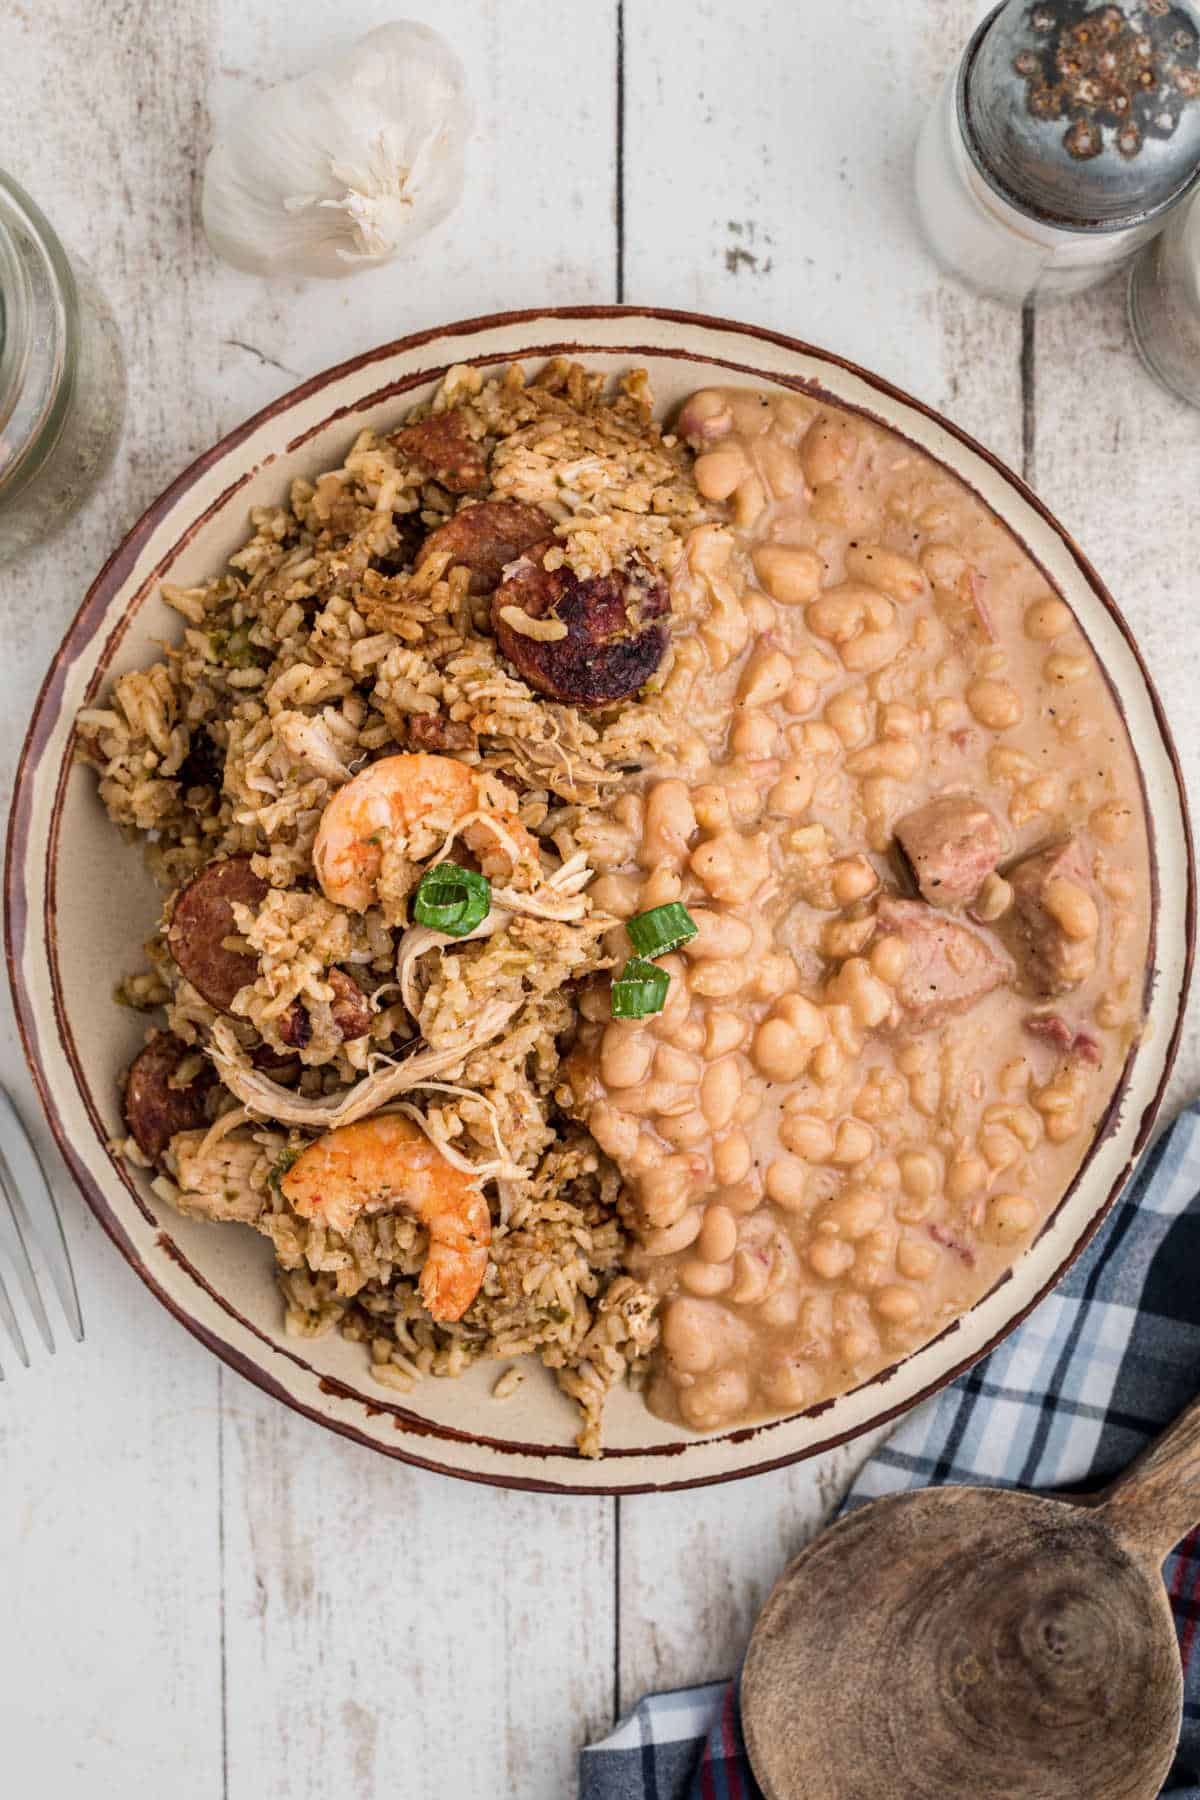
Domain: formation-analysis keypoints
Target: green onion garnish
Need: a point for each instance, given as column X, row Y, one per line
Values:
column 236, row 649
column 452, row 899
column 640, row 990
column 283, row 1163
column 661, row 930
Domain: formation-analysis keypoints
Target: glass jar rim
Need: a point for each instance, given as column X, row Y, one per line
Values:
column 27, row 240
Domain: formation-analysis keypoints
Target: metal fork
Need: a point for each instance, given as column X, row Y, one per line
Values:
column 29, row 1217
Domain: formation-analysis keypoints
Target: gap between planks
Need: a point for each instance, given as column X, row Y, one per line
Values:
column 1028, row 393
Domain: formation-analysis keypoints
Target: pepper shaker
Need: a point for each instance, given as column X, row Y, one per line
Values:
column 1060, row 143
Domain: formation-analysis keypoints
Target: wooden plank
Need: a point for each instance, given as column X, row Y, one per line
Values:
column 768, row 177
column 697, row 1566
column 768, row 162
column 390, row 1629
column 109, row 1515
column 109, row 1536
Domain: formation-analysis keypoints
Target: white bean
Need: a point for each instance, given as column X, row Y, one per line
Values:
column 718, row 934
column 720, row 1090
column 718, row 1234
column 625, row 1055
column 791, row 576
column 669, row 823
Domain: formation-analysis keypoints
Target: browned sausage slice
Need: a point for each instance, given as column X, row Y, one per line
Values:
column 952, row 843
column 444, row 447
column 487, row 537
column 203, row 919
column 614, row 635
column 1053, row 959
column 155, row 1111
column 350, row 1008
column 950, row 965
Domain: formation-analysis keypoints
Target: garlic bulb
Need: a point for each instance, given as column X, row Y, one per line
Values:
column 342, row 168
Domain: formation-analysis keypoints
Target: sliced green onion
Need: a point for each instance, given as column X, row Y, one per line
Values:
column 283, row 1163
column 452, row 899
column 233, row 646
column 661, row 930
column 640, row 990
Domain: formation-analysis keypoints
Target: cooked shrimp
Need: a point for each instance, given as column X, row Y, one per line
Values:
column 387, row 1164
column 409, row 806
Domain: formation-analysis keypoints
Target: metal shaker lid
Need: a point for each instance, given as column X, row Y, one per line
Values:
column 1085, row 116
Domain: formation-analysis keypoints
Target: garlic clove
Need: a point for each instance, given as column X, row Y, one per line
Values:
column 344, row 167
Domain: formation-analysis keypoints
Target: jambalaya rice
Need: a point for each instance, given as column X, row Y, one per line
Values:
column 329, row 642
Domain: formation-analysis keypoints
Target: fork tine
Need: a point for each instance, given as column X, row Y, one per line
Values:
column 36, row 1212
column 12, row 1241
column 8, row 1319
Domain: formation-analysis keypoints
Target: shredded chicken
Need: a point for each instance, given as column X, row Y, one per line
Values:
column 560, row 899
column 269, row 1100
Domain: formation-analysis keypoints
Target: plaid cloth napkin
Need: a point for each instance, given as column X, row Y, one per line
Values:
column 1066, row 1402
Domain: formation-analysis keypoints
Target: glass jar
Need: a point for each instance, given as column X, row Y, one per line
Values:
column 62, row 378
column 1164, row 305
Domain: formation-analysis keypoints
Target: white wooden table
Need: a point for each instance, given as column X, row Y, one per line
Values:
column 202, row 1595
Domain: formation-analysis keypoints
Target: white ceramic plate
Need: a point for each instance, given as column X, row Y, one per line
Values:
column 79, row 904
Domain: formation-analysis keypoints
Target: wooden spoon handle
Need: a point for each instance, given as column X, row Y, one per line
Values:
column 1157, row 1500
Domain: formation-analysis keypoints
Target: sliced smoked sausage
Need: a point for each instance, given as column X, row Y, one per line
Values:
column 446, row 451
column 203, row 919
column 487, row 537
column 155, row 1111
column 201, row 922
column 950, row 965
column 952, row 843
column 612, row 629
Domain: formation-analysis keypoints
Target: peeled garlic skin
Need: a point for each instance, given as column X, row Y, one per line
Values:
column 342, row 168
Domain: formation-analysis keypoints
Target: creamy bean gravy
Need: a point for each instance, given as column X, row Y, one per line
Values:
column 858, row 1107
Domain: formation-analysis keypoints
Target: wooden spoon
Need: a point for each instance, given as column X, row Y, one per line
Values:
column 973, row 1642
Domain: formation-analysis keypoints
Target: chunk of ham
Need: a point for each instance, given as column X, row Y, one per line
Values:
column 951, row 965
column 1072, row 1040
column 1054, row 923
column 956, row 1245
column 952, row 843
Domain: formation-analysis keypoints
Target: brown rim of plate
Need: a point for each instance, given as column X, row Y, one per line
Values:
column 45, row 716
